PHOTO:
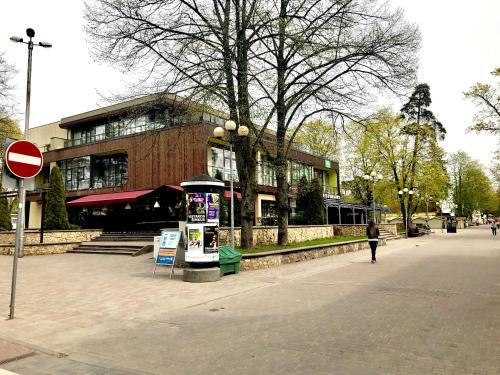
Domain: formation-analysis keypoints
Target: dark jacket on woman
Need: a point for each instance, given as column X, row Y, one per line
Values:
column 370, row 237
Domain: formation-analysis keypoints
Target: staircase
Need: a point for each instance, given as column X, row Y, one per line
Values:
column 388, row 236
column 132, row 244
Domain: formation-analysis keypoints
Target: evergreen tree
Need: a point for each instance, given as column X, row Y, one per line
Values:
column 316, row 207
column 5, row 222
column 310, row 209
column 302, row 207
column 223, row 208
column 56, row 216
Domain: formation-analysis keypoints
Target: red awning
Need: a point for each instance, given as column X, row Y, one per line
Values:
column 98, row 199
column 227, row 195
column 176, row 187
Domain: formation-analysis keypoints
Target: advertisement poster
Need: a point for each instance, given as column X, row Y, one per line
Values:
column 210, row 239
column 195, row 239
column 170, row 240
column 213, row 207
column 196, row 208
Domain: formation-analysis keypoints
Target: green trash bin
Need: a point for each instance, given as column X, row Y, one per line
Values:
column 229, row 260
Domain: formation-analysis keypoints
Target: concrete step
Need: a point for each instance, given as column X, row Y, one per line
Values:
column 100, row 251
column 110, row 246
column 119, row 248
column 121, row 239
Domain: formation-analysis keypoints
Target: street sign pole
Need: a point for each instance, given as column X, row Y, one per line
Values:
column 19, row 244
column 24, row 161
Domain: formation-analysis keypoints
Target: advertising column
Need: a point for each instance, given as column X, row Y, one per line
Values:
column 202, row 227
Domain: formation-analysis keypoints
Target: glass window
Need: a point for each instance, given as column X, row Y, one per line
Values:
column 221, row 161
column 268, row 208
column 109, row 171
column 298, row 170
column 76, row 173
column 267, row 174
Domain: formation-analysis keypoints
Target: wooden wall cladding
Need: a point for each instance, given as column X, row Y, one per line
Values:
column 165, row 157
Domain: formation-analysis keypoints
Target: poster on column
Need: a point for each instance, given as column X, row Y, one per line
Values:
column 213, row 207
column 196, row 208
column 210, row 239
column 195, row 239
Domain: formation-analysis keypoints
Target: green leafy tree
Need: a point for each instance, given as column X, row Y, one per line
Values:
column 318, row 138
column 56, row 216
column 385, row 145
column 472, row 189
column 487, row 99
column 5, row 222
column 8, row 129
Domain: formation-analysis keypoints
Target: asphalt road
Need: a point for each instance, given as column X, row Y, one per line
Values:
column 429, row 306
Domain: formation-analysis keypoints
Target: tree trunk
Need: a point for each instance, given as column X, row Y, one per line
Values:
column 281, row 111
column 239, row 112
column 282, row 201
column 247, row 168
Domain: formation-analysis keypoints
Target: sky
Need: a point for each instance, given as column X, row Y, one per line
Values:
column 460, row 46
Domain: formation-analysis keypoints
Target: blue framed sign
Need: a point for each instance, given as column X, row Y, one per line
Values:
column 169, row 243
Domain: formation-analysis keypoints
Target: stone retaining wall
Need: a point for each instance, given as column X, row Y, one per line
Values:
column 360, row 229
column 40, row 249
column 270, row 259
column 269, row 235
column 51, row 236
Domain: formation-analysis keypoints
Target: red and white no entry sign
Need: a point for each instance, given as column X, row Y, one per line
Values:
column 23, row 159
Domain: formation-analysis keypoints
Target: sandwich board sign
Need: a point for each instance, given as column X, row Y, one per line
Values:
column 169, row 242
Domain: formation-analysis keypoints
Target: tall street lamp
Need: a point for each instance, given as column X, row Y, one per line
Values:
column 441, row 203
column 374, row 178
column 243, row 131
column 429, row 199
column 22, row 191
column 406, row 193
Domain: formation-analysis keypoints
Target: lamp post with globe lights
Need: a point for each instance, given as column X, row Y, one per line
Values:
column 242, row 131
column 374, row 178
column 405, row 193
column 440, row 204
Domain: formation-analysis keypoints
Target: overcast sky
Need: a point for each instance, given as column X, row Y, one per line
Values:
column 460, row 47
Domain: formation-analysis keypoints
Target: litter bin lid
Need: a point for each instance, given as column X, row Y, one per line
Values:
column 227, row 252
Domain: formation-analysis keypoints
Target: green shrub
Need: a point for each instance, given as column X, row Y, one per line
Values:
column 5, row 222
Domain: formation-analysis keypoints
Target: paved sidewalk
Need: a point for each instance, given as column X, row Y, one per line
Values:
column 431, row 305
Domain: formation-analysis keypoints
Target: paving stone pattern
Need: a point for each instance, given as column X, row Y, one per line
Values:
column 431, row 305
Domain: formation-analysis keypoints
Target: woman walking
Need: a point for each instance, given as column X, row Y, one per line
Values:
column 493, row 228
column 373, row 233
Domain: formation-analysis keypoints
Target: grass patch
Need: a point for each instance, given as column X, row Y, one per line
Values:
column 319, row 241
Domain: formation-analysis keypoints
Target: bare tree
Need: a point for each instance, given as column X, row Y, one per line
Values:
column 6, row 100
column 325, row 57
column 197, row 49
column 487, row 98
